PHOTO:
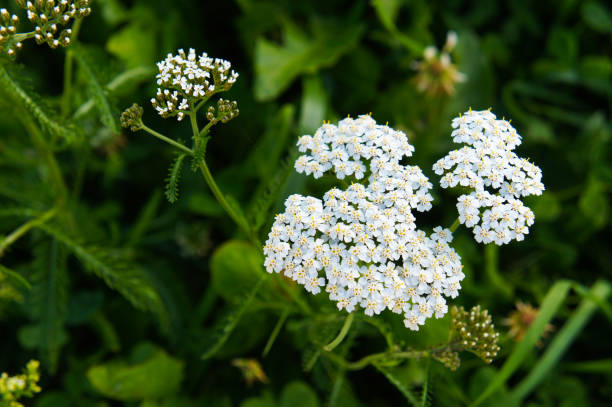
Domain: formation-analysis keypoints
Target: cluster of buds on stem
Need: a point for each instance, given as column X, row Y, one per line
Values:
column 225, row 111
column 437, row 75
column 132, row 117
column 12, row 388
column 475, row 332
column 49, row 15
column 9, row 44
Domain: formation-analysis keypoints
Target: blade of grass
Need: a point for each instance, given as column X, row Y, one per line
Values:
column 554, row 298
column 591, row 366
column 562, row 341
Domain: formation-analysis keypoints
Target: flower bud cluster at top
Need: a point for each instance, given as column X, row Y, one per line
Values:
column 132, row 117
column 498, row 177
column 186, row 79
column 436, row 74
column 475, row 332
column 49, row 15
column 12, row 388
column 8, row 29
column 361, row 244
column 224, row 112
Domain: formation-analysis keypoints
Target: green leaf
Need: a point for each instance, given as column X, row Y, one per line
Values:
column 298, row 394
column 597, row 17
column 15, row 277
column 314, row 104
column 277, row 66
column 174, row 176
column 118, row 273
column 134, row 45
column 227, row 324
column 387, row 11
column 152, row 374
column 47, row 302
column 235, row 268
column 559, row 345
column 594, row 203
column 396, row 380
column 12, row 85
column 90, row 63
column 553, row 300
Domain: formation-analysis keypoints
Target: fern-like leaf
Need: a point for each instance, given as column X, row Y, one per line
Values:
column 267, row 193
column 47, row 302
column 199, row 152
column 397, row 382
column 109, row 113
column 15, row 278
column 23, row 95
column 118, row 272
column 174, row 176
column 225, row 327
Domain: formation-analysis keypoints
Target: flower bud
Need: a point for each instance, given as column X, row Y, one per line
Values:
column 132, row 117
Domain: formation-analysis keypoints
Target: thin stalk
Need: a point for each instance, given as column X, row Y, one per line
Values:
column 68, row 67
column 215, row 188
column 455, row 225
column 166, row 139
column 376, row 357
column 25, row 228
column 345, row 328
column 275, row 332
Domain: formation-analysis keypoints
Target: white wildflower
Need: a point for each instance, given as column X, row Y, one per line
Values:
column 185, row 79
column 497, row 176
column 361, row 244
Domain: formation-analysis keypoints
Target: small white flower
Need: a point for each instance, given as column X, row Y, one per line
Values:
column 498, row 177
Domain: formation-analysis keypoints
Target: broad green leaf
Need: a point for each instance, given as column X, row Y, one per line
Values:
column 134, row 45
column 553, row 300
column 559, row 345
column 314, row 104
column 235, row 268
column 298, row 394
column 597, row 16
column 277, row 66
column 152, row 374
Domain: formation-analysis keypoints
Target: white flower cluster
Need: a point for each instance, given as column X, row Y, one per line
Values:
column 187, row 79
column 361, row 244
column 497, row 175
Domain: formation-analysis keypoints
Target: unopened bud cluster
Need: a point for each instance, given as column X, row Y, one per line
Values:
column 224, row 112
column 12, row 388
column 49, row 15
column 186, row 79
column 132, row 117
column 437, row 75
column 475, row 332
column 8, row 29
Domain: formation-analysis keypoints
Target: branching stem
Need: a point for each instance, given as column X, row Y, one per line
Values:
column 342, row 334
column 25, row 228
column 166, row 139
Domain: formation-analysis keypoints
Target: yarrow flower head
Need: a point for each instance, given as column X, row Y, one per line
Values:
column 498, row 177
column 361, row 244
column 8, row 28
column 186, row 79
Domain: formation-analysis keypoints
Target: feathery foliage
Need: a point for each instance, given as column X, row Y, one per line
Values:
column 173, row 179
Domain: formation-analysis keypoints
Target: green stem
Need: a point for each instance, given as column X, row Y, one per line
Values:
column 215, row 188
column 166, row 139
column 25, row 228
column 68, row 66
column 376, row 357
column 345, row 328
column 275, row 332
column 455, row 225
